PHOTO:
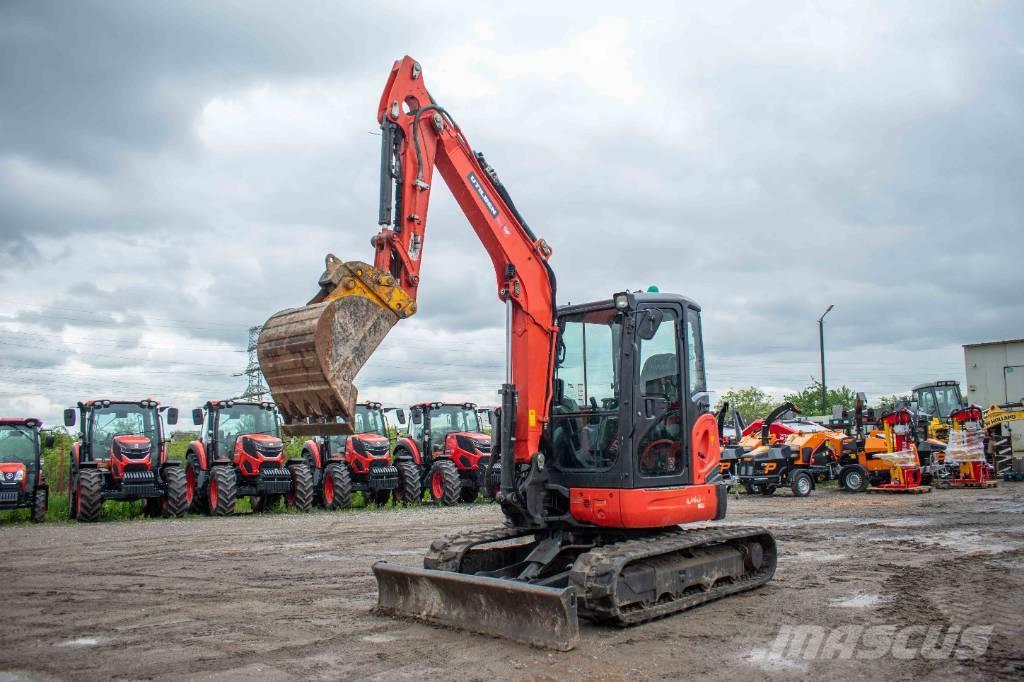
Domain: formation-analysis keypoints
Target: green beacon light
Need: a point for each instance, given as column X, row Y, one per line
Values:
column 653, row 289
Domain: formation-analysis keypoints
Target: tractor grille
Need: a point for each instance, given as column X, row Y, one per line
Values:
column 495, row 477
column 8, row 497
column 745, row 468
column 275, row 480
column 138, row 483
column 383, row 478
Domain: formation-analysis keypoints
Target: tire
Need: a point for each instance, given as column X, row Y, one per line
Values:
column 468, row 494
column 175, row 501
column 302, row 487
column 72, row 495
column 221, row 491
column 801, row 483
column 196, row 495
column 853, row 479
column 409, row 490
column 89, row 495
column 40, row 503
column 337, row 487
column 445, row 484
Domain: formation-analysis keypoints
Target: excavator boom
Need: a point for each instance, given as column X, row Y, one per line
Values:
column 310, row 356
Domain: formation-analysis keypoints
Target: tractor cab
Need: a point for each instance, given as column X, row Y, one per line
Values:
column 124, row 437
column 243, row 432
column 939, row 398
column 369, row 444
column 21, row 471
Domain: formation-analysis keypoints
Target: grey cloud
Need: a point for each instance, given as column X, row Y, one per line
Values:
column 766, row 162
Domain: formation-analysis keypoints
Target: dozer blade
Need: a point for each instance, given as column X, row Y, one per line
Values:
column 531, row 614
column 311, row 355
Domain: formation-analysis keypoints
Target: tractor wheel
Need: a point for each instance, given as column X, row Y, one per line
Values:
column 221, row 491
column 802, row 484
column 445, row 484
column 337, row 487
column 89, row 495
column 853, row 479
column 468, row 494
column 768, row 490
column 302, row 487
column 40, row 503
column 409, row 490
column 196, row 496
column 175, row 500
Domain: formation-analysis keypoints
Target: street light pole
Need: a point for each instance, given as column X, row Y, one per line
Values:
column 821, row 350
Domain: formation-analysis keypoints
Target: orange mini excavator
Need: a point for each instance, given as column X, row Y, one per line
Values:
column 603, row 440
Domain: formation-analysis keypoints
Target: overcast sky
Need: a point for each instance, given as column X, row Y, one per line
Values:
column 174, row 172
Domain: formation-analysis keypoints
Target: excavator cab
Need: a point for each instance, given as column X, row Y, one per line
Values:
column 636, row 360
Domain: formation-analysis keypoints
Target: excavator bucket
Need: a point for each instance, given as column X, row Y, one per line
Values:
column 531, row 614
column 310, row 356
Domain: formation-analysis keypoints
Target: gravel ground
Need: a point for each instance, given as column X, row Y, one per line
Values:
column 289, row 596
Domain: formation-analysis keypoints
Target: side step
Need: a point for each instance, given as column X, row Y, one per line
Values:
column 541, row 616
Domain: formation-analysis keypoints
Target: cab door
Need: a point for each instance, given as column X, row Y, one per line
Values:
column 661, row 399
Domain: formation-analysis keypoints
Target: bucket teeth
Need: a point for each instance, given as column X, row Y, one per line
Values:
column 310, row 356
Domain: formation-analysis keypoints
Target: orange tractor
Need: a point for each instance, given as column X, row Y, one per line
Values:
column 239, row 454
column 121, row 456
column 447, row 447
column 22, row 483
column 360, row 462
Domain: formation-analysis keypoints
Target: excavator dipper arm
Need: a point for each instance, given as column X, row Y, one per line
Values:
column 311, row 355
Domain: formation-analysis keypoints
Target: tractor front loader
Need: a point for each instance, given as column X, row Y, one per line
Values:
column 360, row 462
column 239, row 454
column 22, row 483
column 121, row 455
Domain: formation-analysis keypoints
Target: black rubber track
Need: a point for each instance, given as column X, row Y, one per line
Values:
column 595, row 573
